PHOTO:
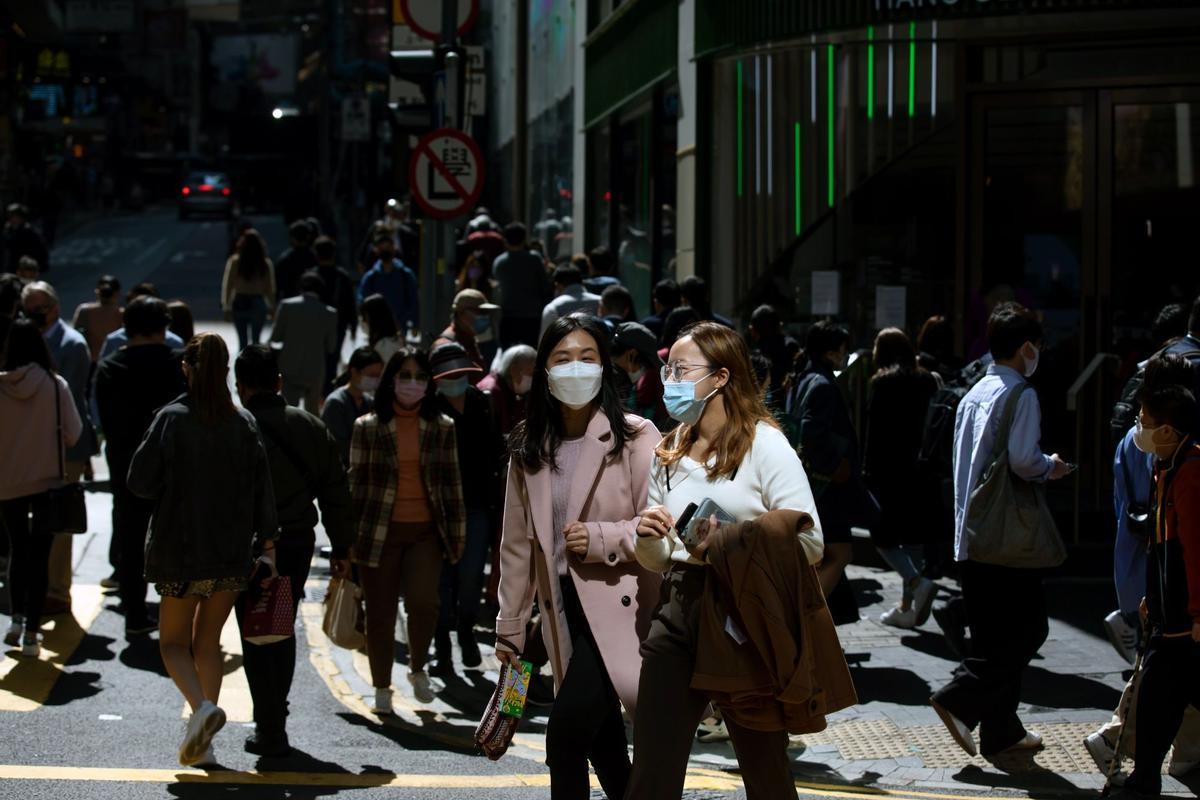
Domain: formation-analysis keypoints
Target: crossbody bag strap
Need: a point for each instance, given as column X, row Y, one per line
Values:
column 1010, row 410
column 58, row 431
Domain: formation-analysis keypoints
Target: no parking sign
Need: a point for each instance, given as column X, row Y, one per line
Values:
column 446, row 173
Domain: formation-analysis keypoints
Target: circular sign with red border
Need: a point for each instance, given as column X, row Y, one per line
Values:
column 445, row 173
column 425, row 17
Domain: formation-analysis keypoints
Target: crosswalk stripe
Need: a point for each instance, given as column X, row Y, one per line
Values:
column 26, row 683
column 235, row 690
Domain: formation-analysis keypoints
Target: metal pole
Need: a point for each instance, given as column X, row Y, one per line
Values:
column 447, row 243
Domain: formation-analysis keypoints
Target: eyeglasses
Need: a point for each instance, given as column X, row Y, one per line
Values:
column 677, row 369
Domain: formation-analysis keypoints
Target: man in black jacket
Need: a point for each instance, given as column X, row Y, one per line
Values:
column 131, row 385
column 305, row 466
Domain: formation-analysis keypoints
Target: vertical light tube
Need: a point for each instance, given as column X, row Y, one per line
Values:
column 757, row 125
column 912, row 68
column 799, row 183
column 832, row 109
column 933, row 86
column 812, row 69
column 870, row 72
column 740, row 151
column 891, row 72
column 770, row 130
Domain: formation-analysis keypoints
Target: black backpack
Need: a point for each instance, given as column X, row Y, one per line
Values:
column 937, row 439
column 1125, row 410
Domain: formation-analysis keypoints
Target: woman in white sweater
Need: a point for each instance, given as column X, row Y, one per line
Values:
column 727, row 449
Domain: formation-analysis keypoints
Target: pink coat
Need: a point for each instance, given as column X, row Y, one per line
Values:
column 617, row 594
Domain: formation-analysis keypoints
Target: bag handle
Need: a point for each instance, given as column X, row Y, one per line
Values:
column 58, row 432
column 1000, row 446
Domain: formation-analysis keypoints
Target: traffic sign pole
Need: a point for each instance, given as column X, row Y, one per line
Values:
column 448, row 261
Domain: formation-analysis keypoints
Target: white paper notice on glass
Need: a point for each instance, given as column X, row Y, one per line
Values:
column 826, row 293
column 891, row 304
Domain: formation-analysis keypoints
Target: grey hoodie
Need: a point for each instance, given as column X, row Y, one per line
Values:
column 29, row 463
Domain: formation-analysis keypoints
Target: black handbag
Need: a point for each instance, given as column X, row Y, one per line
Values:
column 62, row 509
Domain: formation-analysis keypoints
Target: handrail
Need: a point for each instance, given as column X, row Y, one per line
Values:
column 1098, row 361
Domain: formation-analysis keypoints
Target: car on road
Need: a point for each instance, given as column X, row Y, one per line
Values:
column 206, row 193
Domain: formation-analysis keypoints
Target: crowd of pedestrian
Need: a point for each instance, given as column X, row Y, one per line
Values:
column 617, row 474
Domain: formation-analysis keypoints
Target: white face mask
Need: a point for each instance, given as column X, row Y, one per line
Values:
column 1031, row 364
column 368, row 385
column 576, row 383
column 1150, row 441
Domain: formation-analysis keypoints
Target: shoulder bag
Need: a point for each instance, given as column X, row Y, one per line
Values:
column 1008, row 522
column 62, row 509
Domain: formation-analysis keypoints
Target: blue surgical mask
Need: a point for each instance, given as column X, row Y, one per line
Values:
column 452, row 387
column 682, row 404
column 483, row 325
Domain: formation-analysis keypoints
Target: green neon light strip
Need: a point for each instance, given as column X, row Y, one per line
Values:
column 871, row 72
column 832, row 69
column 799, row 186
column 912, row 68
column 739, row 129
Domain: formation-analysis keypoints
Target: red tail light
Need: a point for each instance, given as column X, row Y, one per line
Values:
column 206, row 187
column 185, row 191
column 225, row 191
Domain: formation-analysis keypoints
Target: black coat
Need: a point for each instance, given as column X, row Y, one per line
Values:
column 895, row 424
column 827, row 439
column 131, row 386
column 214, row 504
column 480, row 448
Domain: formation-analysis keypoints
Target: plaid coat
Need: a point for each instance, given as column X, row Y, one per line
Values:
column 373, row 482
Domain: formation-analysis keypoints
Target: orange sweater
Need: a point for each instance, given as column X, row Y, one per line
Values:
column 412, row 501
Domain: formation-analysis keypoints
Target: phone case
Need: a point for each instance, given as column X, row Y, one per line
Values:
column 707, row 509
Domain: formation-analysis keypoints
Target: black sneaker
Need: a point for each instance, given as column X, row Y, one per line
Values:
column 267, row 746
column 140, row 625
column 471, row 657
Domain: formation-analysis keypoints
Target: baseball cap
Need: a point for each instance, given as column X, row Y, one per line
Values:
column 450, row 360
column 638, row 337
column 473, row 300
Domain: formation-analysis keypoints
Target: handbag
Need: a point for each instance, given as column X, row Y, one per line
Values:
column 344, row 620
column 269, row 615
column 64, row 508
column 497, row 728
column 1008, row 522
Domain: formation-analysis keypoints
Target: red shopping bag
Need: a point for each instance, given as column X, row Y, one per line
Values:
column 269, row 615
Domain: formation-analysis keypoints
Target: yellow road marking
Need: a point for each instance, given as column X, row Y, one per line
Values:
column 26, row 683
column 235, row 690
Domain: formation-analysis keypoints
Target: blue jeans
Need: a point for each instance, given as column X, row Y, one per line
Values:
column 908, row 560
column 249, row 317
column 462, row 584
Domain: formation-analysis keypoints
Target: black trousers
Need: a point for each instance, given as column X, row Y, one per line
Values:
column 585, row 723
column 131, row 515
column 270, row 667
column 669, row 710
column 1169, row 684
column 1006, row 613
column 28, row 561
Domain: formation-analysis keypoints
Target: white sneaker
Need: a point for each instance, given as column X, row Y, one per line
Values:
column 958, row 729
column 899, row 618
column 201, row 728
column 1100, row 750
column 209, row 759
column 383, row 701
column 31, row 645
column 16, row 627
column 422, row 688
column 1179, row 768
column 1122, row 635
column 1031, row 741
column 922, row 601
column 712, row 730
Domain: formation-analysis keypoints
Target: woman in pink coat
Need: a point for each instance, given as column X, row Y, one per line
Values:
column 578, row 478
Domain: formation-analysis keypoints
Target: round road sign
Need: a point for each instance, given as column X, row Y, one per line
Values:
column 425, row 17
column 446, row 173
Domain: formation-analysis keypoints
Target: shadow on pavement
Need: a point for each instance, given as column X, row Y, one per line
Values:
column 930, row 643
column 72, row 686
column 1022, row 774
column 142, row 653
column 92, row 648
column 208, row 784
column 409, row 739
column 891, row 685
column 1056, row 690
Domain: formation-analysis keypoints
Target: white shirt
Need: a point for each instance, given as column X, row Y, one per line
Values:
column 975, row 427
column 771, row 477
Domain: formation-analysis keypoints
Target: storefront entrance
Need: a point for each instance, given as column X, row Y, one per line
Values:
column 1082, row 204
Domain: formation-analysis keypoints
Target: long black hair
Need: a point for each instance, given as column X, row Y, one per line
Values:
column 26, row 345
column 385, row 396
column 376, row 312
column 535, row 441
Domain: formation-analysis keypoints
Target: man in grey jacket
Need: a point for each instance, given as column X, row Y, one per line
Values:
column 307, row 330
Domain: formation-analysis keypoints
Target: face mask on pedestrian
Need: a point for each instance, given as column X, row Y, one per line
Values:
column 1159, row 441
column 576, row 383
column 636, row 375
column 368, row 384
column 452, row 387
column 1031, row 364
column 482, row 325
column 409, row 392
column 523, row 384
column 681, row 402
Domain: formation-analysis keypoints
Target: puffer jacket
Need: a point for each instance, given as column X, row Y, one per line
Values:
column 211, row 486
column 29, row 430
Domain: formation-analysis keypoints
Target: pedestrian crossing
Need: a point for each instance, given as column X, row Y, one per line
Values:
column 25, row 683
